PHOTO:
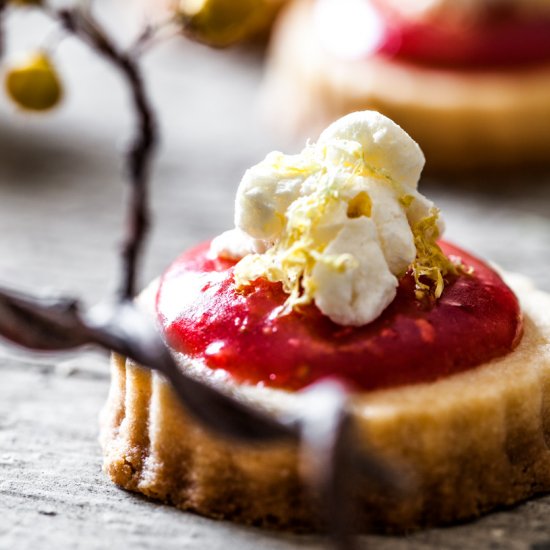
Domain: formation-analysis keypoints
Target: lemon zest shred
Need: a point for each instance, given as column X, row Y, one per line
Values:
column 292, row 258
column 430, row 266
column 406, row 200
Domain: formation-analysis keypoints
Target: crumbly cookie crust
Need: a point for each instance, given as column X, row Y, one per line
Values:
column 469, row 443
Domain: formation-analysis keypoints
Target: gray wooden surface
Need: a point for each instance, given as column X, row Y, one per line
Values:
column 61, row 194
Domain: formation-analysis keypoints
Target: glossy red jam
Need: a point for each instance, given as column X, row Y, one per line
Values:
column 502, row 43
column 498, row 39
column 476, row 319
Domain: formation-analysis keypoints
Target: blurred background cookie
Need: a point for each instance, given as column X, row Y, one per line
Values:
column 470, row 81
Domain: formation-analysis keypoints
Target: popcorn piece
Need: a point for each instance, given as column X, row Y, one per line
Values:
column 235, row 244
column 339, row 223
column 387, row 149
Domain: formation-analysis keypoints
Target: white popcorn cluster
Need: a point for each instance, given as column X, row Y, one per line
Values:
column 336, row 223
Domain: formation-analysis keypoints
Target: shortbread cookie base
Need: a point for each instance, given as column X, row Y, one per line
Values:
column 469, row 443
column 463, row 120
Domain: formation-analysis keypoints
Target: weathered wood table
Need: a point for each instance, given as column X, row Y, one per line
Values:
column 61, row 197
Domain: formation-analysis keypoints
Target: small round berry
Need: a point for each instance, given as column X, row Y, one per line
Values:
column 221, row 23
column 34, row 84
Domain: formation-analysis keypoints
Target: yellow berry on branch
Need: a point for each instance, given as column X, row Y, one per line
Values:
column 34, row 84
column 221, row 23
column 26, row 2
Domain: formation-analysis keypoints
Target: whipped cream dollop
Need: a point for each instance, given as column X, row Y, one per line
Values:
column 339, row 223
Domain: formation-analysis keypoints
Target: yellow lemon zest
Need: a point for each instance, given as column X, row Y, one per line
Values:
column 406, row 200
column 431, row 266
column 301, row 246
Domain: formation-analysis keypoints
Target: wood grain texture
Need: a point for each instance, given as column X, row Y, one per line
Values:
column 61, row 192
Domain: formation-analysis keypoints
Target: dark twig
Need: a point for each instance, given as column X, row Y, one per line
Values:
column 332, row 463
column 329, row 451
column 3, row 4
column 60, row 324
column 144, row 38
column 325, row 430
column 128, row 331
column 141, row 149
column 152, row 34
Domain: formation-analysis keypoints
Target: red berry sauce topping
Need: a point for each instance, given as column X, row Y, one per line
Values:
column 500, row 44
column 242, row 332
column 495, row 40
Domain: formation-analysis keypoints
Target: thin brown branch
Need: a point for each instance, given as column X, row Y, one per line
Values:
column 142, row 147
column 326, row 432
column 3, row 4
column 152, row 34
column 333, row 465
column 60, row 324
